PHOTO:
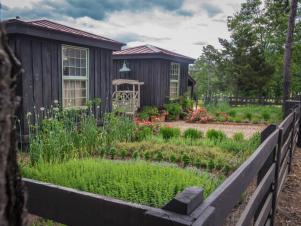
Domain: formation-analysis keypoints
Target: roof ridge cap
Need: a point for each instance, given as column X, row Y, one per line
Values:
column 153, row 48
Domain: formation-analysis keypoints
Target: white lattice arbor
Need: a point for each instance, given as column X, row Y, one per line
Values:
column 126, row 99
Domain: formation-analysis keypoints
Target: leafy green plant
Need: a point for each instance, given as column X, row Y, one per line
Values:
column 117, row 129
column 192, row 133
column 198, row 163
column 144, row 116
column 112, row 152
column 168, row 132
column 147, row 156
column 248, row 115
column 159, row 156
column 186, row 103
column 238, row 136
column 266, row 116
column 135, row 155
column 232, row 113
column 186, row 160
column 151, row 110
column 143, row 132
column 123, row 154
column 173, row 109
column 173, row 158
column 215, row 135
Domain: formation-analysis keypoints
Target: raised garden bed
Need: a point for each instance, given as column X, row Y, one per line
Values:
column 135, row 181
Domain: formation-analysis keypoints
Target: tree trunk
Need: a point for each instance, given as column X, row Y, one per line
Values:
column 11, row 192
column 288, row 53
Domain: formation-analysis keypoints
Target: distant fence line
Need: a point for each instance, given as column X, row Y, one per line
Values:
column 235, row 101
column 268, row 165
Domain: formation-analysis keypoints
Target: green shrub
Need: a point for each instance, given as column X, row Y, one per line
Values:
column 102, row 151
column 117, row 129
column 186, row 103
column 238, row 137
column 147, row 156
column 198, row 163
column 135, row 155
column 168, row 133
column 248, row 115
column 143, row 132
column 147, row 112
column 173, row 109
column 266, row 116
column 232, row 113
column 141, row 182
column 211, row 164
column 186, row 160
column 215, row 135
column 144, row 116
column 173, row 158
column 112, row 152
column 151, row 110
column 192, row 133
column 123, row 154
column 159, row 156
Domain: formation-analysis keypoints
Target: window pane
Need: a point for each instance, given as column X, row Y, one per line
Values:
column 75, row 59
column 74, row 64
column 174, row 80
column 75, row 93
column 66, row 71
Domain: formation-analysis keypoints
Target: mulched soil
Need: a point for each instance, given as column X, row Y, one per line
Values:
column 289, row 203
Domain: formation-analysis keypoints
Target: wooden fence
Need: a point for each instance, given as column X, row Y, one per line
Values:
column 268, row 166
column 235, row 101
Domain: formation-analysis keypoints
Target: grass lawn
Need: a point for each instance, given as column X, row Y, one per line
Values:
column 247, row 113
column 141, row 182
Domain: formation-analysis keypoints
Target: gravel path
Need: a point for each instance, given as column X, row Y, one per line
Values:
column 289, row 202
column 229, row 129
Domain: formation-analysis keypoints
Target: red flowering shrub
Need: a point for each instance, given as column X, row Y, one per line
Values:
column 199, row 115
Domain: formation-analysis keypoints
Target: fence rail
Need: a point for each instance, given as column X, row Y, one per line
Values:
column 268, row 165
column 235, row 101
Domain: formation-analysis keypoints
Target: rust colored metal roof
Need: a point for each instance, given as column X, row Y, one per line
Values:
column 47, row 25
column 59, row 27
column 149, row 50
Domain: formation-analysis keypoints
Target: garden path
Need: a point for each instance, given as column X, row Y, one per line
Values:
column 229, row 129
column 289, row 203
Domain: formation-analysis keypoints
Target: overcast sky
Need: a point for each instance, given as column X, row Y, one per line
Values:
column 184, row 26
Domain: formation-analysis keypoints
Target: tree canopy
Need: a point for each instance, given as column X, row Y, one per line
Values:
column 250, row 63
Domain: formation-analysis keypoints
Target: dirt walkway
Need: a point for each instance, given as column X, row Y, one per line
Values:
column 289, row 204
column 247, row 129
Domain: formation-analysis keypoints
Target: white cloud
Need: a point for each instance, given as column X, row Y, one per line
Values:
column 156, row 26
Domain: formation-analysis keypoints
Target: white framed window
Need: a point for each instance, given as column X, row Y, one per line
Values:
column 174, row 84
column 75, row 61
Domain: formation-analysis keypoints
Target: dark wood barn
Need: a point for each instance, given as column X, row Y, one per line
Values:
column 61, row 64
column 164, row 73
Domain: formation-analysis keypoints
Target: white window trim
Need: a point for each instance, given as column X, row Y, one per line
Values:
column 175, row 81
column 75, row 78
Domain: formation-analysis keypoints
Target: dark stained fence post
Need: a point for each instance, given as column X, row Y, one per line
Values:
column 278, row 164
column 267, row 132
column 299, row 136
column 291, row 144
column 177, row 211
column 264, row 135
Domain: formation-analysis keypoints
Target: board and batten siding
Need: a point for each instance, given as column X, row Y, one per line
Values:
column 41, row 82
column 155, row 74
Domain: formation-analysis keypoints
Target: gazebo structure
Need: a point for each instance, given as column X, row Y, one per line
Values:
column 126, row 95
